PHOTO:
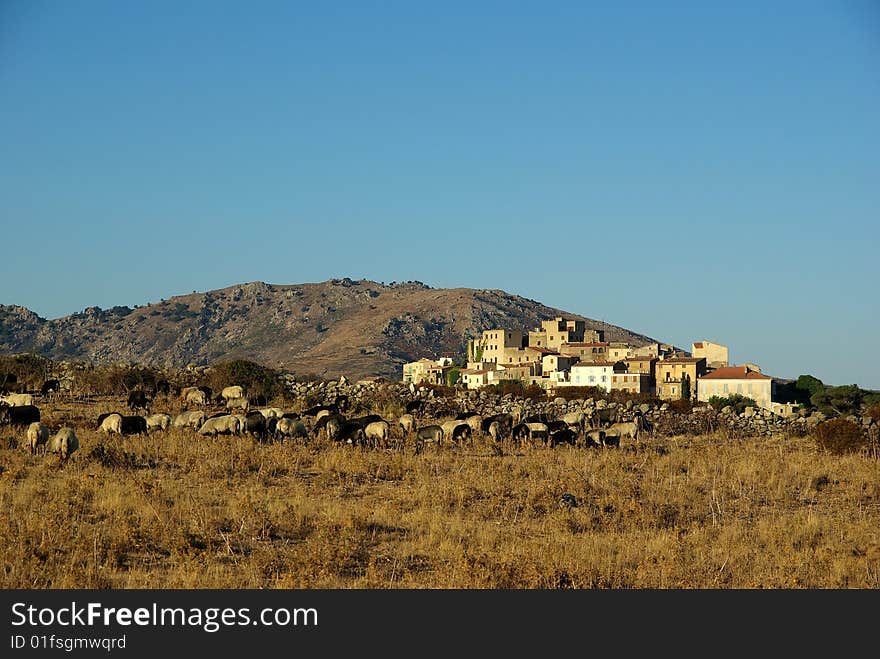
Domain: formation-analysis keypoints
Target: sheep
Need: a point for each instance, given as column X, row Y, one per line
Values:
column 455, row 430
column 195, row 395
column 111, row 423
column 407, row 422
column 64, row 443
column 158, row 422
column 291, row 428
column 37, row 435
column 629, row 429
column 377, row 433
column 189, row 420
column 272, row 412
column 222, row 425
column 234, row 391
column 239, row 403
column 17, row 400
column 574, row 420
column 432, row 433
column 474, row 421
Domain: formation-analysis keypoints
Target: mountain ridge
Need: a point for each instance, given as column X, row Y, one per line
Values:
column 336, row 327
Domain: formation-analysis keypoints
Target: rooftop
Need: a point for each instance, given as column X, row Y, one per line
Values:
column 735, row 373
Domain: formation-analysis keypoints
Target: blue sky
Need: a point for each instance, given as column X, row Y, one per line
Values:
column 688, row 170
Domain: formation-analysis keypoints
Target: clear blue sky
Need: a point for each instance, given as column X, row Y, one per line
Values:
column 689, row 170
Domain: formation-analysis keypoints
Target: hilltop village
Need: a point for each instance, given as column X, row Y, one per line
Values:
column 564, row 353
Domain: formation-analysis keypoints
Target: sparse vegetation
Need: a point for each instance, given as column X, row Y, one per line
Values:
column 178, row 511
column 840, row 436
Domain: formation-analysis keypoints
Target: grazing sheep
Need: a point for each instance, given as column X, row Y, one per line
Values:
column 629, row 429
column 271, row 412
column 407, row 422
column 352, row 433
column 574, row 420
column 158, row 422
column 377, row 433
column 37, row 435
column 291, row 428
column 563, row 436
column 595, row 437
column 189, row 420
column 19, row 416
column 234, row 391
column 196, row 396
column 474, row 421
column 504, row 421
column 221, row 425
column 111, row 423
column 239, row 403
column 538, row 430
column 432, row 433
column 64, row 443
column 17, row 400
column 133, row 425
column 137, row 400
column 454, row 430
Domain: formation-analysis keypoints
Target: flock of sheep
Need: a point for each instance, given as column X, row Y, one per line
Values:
column 274, row 423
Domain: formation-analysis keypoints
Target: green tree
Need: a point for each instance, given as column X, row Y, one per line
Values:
column 806, row 387
column 834, row 401
column 685, row 387
column 452, row 376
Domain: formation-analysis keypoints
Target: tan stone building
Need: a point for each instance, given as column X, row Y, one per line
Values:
column 672, row 374
column 636, row 364
column 586, row 351
column 495, row 345
column 426, row 371
column 618, row 351
column 553, row 333
column 556, row 362
column 474, row 378
column 715, row 354
column 742, row 380
column 634, row 383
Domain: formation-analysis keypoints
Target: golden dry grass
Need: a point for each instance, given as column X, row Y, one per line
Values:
column 189, row 512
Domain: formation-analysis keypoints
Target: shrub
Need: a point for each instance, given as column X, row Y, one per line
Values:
column 517, row 389
column 439, row 390
column 737, row 401
column 874, row 412
column 579, row 393
column 255, row 378
column 840, row 436
column 682, row 406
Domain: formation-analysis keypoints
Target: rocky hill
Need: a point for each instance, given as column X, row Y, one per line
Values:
column 336, row 327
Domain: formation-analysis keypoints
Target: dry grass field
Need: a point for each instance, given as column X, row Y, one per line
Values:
column 175, row 510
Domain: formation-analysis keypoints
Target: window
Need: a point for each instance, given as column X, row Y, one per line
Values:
column 604, row 378
column 592, row 378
